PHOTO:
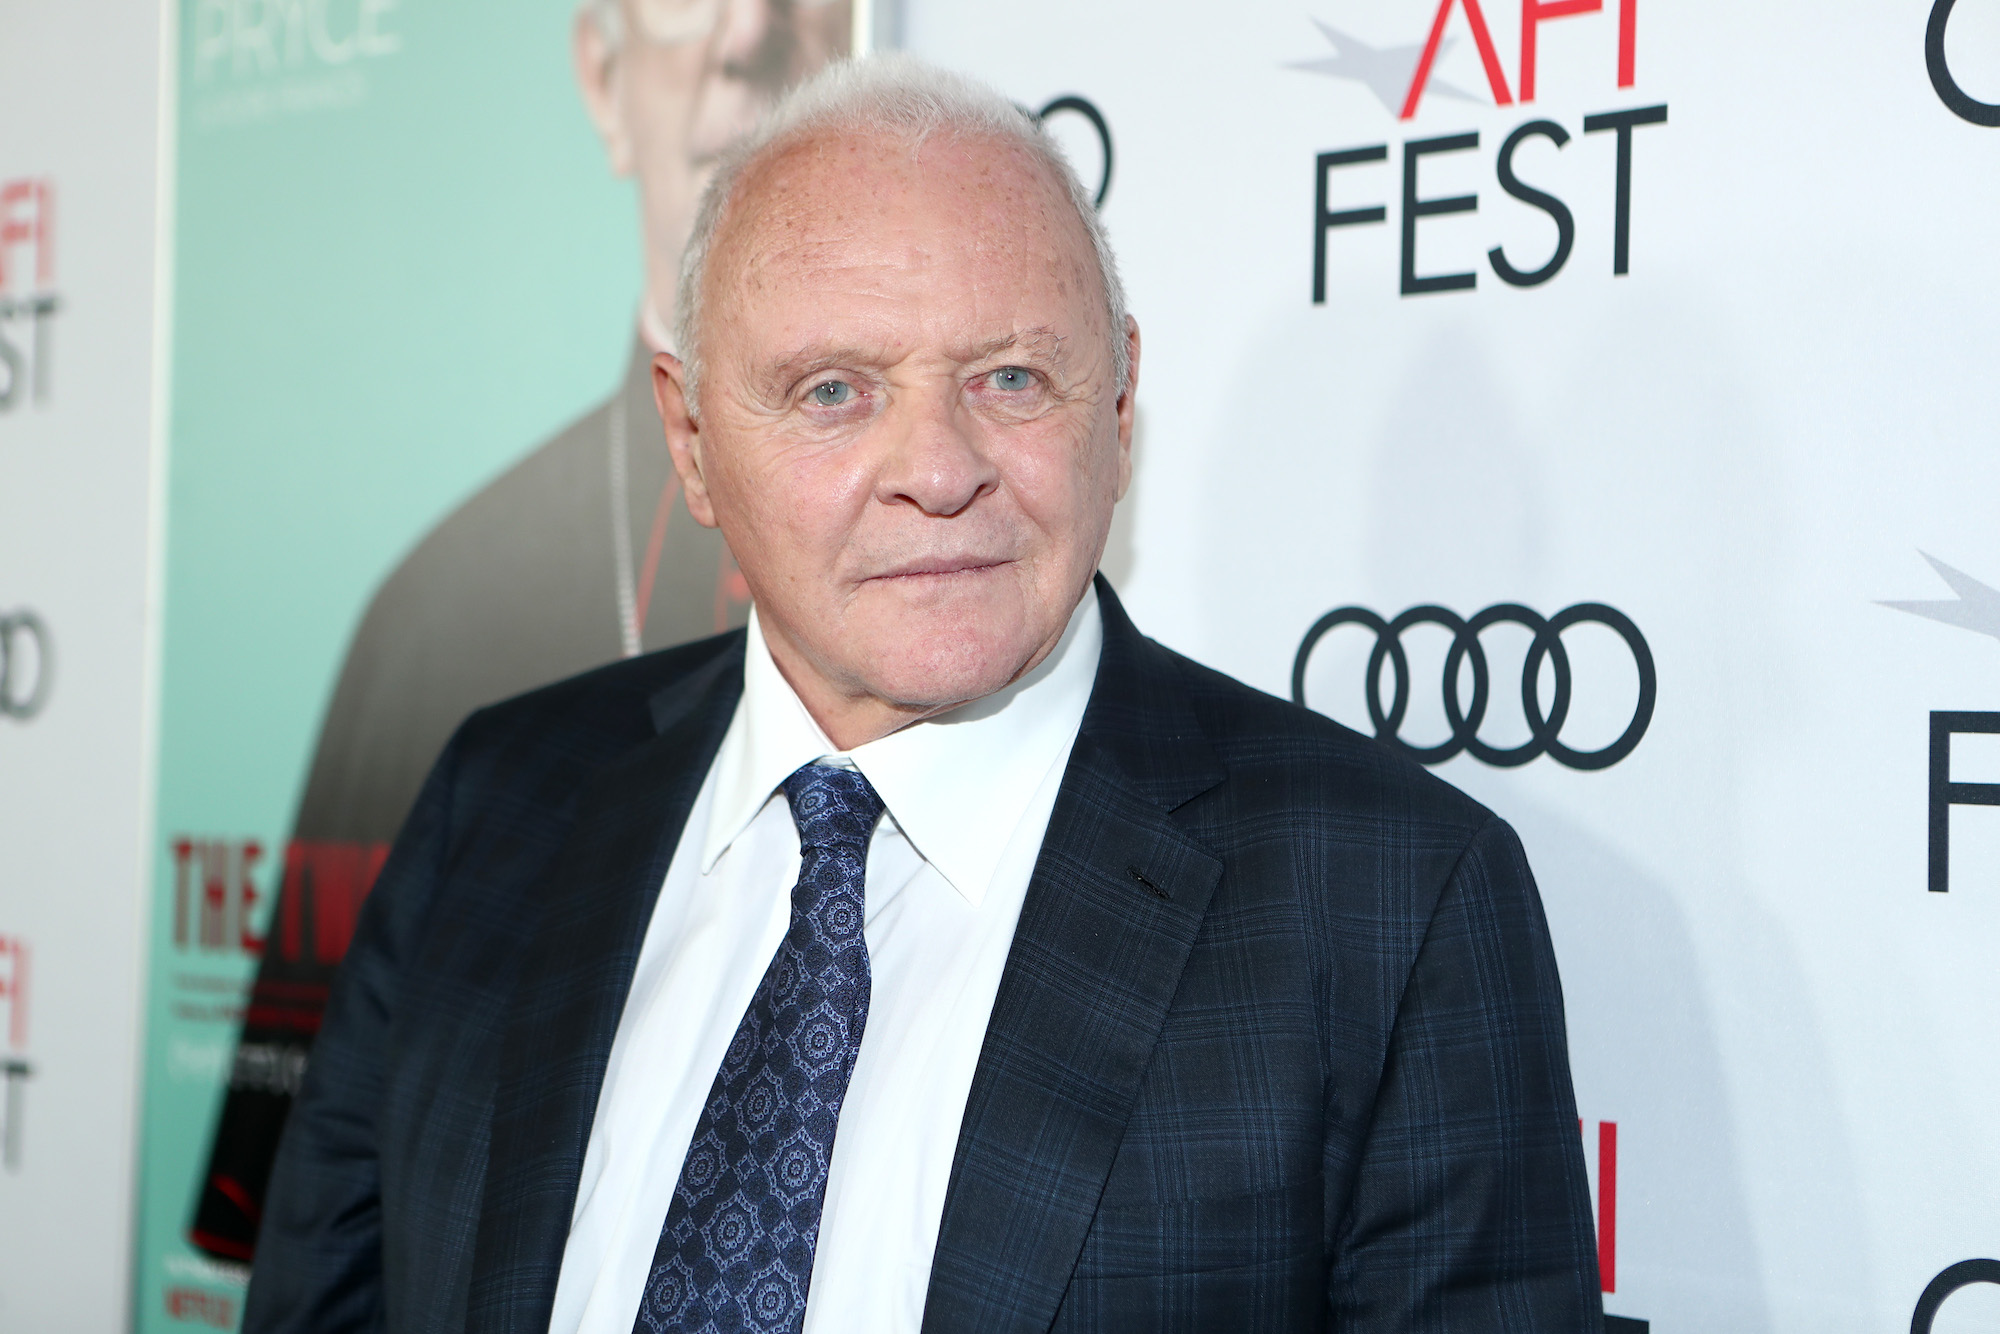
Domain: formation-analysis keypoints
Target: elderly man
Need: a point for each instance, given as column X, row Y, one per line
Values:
column 939, row 952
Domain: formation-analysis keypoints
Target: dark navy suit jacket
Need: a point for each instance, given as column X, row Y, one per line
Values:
column 1279, row 1044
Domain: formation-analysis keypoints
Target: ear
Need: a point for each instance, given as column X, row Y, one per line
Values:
column 597, row 77
column 1126, row 406
column 684, row 441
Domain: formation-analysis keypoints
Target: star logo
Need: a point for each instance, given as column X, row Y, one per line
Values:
column 1976, row 608
column 1387, row 70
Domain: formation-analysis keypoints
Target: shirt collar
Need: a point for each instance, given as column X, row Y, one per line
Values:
column 956, row 784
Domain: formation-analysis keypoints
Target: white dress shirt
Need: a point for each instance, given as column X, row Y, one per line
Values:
column 968, row 797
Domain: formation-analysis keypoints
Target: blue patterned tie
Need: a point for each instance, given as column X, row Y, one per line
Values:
column 737, row 1249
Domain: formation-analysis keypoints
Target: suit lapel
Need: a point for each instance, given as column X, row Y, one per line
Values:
column 1118, row 894
column 599, row 899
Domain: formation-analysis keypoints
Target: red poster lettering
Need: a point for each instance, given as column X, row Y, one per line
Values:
column 214, row 893
column 325, row 885
column 246, row 897
column 291, row 901
column 183, row 855
column 201, row 1306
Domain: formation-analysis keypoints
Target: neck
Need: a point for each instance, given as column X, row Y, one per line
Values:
column 854, row 717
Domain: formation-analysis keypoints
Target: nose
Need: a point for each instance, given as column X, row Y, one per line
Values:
column 936, row 462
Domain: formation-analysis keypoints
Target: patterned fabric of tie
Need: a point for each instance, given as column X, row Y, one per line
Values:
column 737, row 1249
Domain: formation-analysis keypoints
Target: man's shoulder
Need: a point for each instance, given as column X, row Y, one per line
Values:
column 1339, row 833
column 589, row 720
column 1283, row 756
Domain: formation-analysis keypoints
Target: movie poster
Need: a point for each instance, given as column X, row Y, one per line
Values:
column 425, row 252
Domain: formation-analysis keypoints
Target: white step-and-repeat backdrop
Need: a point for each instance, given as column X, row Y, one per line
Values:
column 79, row 154
column 1623, row 373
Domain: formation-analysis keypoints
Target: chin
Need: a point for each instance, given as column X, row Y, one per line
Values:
column 951, row 655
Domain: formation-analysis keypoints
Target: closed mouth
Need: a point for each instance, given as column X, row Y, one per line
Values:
column 938, row 567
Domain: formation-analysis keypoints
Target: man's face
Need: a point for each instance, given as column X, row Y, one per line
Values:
column 690, row 77
column 909, row 431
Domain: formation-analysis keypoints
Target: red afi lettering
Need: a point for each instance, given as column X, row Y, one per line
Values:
column 1496, row 78
column 32, row 226
column 1533, row 14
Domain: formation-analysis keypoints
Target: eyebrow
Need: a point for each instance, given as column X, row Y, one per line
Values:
column 1041, row 339
column 802, row 362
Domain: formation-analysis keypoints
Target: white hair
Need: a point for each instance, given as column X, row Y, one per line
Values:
column 895, row 94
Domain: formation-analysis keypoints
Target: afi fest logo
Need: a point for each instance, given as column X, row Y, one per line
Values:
column 28, row 300
column 1402, row 77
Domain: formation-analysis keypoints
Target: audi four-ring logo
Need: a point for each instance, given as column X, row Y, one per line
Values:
column 1085, row 108
column 1544, row 727
column 25, row 665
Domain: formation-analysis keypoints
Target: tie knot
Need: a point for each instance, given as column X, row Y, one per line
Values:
column 832, row 806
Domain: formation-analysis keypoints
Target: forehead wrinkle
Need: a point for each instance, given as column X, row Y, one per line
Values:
column 817, row 210
column 877, row 284
column 1008, row 193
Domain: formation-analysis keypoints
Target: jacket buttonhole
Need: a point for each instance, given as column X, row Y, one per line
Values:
column 1133, row 871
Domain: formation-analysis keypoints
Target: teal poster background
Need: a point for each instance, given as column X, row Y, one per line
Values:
column 399, row 261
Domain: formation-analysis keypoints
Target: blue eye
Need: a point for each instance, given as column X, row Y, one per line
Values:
column 1011, row 377
column 833, row 393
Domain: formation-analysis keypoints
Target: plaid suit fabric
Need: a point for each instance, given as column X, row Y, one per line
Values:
column 1354, row 1107
column 1279, row 1045
column 459, row 1034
